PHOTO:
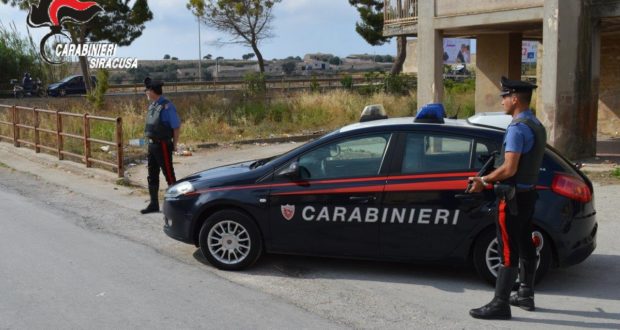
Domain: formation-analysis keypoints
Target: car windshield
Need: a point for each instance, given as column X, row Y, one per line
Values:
column 279, row 157
column 67, row 79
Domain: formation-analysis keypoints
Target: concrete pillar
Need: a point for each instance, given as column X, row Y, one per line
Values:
column 430, row 66
column 539, row 65
column 497, row 55
column 569, row 110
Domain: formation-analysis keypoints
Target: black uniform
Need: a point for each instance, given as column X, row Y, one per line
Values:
column 515, row 208
column 161, row 120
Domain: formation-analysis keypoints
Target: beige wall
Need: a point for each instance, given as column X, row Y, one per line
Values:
column 460, row 7
column 411, row 61
column 497, row 55
column 609, row 94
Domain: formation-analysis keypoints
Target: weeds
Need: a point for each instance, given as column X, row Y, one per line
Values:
column 235, row 116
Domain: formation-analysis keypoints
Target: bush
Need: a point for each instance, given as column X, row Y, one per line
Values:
column 399, row 84
column 347, row 81
column 315, row 87
column 97, row 96
column 255, row 84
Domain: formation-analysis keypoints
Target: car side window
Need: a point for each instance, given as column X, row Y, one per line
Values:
column 431, row 152
column 353, row 157
column 483, row 152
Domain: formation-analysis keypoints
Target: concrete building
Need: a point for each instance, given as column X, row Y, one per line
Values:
column 579, row 81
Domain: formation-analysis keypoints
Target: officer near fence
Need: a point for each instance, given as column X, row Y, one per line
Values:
column 162, row 132
column 514, row 181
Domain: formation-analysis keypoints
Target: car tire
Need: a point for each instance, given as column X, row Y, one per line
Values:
column 62, row 93
column 230, row 240
column 485, row 259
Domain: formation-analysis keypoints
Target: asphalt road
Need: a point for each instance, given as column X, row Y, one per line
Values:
column 55, row 274
column 75, row 253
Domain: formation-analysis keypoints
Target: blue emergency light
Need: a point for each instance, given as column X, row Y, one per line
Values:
column 431, row 113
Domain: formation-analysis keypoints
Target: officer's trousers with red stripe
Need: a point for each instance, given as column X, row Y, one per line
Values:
column 514, row 232
column 160, row 159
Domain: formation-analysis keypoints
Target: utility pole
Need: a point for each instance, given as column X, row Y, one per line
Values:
column 199, row 52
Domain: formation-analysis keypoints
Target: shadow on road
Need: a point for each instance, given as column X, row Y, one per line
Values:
column 594, row 278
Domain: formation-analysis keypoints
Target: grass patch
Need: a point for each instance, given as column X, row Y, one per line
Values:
column 236, row 116
column 616, row 173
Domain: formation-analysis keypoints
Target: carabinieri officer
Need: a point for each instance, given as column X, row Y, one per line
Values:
column 515, row 177
column 162, row 131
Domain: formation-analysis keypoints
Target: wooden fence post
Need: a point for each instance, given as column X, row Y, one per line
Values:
column 87, row 141
column 37, row 140
column 59, row 137
column 15, row 128
column 119, row 146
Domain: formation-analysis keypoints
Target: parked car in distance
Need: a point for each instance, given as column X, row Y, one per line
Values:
column 69, row 85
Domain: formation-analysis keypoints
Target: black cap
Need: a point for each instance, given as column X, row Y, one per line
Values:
column 515, row 86
column 154, row 85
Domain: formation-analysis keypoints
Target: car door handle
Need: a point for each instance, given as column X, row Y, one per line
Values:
column 362, row 199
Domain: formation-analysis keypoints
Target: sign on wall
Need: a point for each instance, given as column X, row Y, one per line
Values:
column 456, row 50
column 528, row 52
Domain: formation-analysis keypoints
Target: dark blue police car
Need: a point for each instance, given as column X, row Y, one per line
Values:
column 388, row 189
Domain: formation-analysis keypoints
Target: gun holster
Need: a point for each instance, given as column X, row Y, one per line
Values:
column 508, row 193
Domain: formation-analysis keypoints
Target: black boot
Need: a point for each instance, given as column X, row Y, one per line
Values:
column 498, row 308
column 524, row 297
column 153, row 206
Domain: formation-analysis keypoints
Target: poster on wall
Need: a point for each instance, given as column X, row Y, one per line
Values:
column 528, row 52
column 456, row 50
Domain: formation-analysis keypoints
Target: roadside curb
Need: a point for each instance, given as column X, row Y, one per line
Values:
column 282, row 139
column 26, row 160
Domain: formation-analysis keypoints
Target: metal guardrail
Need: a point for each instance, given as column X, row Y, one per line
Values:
column 238, row 84
column 18, row 123
column 400, row 11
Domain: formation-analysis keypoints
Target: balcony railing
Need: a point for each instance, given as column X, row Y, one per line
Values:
column 400, row 11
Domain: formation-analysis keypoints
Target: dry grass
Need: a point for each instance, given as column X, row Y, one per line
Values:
column 217, row 118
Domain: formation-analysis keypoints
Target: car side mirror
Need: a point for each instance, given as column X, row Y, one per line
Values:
column 291, row 172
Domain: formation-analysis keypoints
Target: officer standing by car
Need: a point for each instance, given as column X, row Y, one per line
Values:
column 162, row 131
column 514, row 180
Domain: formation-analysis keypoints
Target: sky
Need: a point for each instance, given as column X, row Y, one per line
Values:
column 300, row 27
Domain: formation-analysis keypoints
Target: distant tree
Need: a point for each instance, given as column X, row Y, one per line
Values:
column 247, row 56
column 371, row 29
column 166, row 57
column 219, row 58
column 289, row 67
column 378, row 58
column 207, row 57
column 335, row 60
column 388, row 59
column 247, row 21
column 175, row 58
column 118, row 23
column 298, row 58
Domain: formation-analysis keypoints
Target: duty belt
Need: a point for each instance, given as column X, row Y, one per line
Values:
column 151, row 140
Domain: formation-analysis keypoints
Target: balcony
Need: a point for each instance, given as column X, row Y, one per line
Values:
column 400, row 17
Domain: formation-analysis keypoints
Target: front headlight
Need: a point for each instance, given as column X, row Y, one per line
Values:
column 177, row 190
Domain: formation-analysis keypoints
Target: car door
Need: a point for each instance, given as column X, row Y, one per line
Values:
column 74, row 86
column 425, row 220
column 332, row 206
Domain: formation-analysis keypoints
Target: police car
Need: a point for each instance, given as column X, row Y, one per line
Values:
column 385, row 189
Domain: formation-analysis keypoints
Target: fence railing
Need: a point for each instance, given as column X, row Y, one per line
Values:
column 400, row 11
column 25, row 126
column 223, row 85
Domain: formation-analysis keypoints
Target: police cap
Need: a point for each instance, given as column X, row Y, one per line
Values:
column 515, row 86
column 154, row 85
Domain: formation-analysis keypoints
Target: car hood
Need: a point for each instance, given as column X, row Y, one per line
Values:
column 225, row 175
column 53, row 86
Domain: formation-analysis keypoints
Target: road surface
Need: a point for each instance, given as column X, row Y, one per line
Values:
column 75, row 253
